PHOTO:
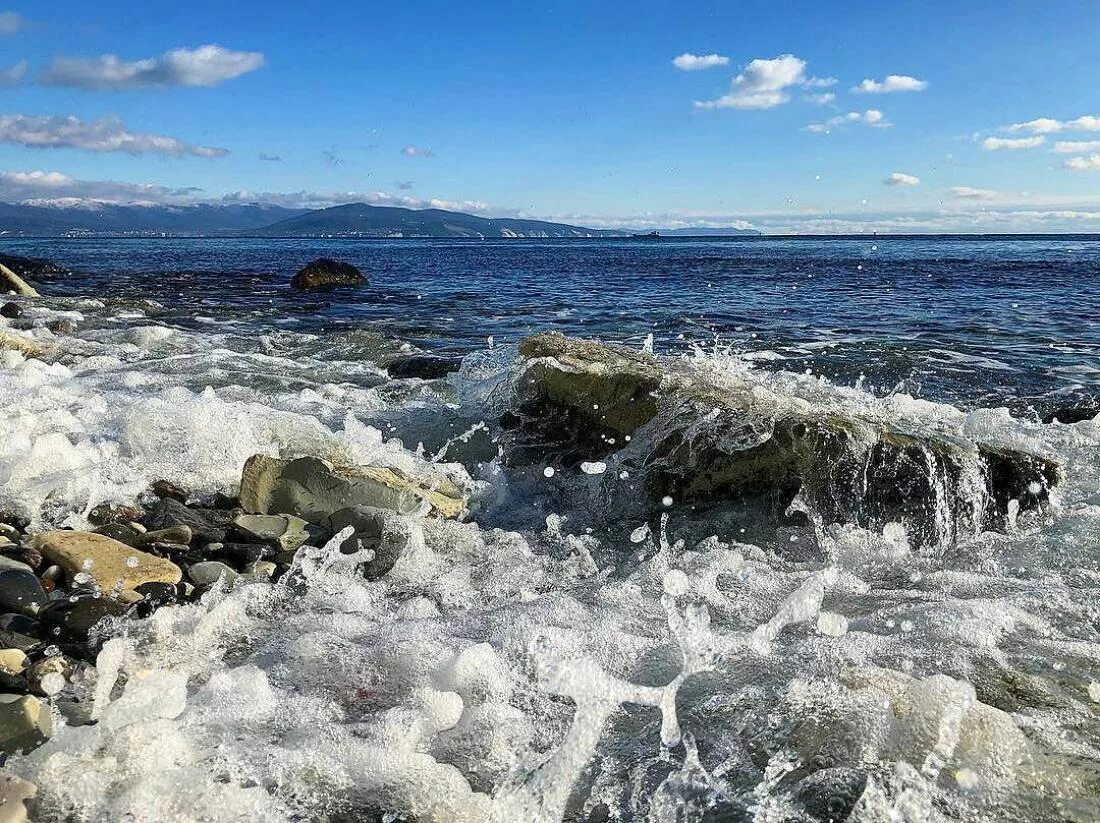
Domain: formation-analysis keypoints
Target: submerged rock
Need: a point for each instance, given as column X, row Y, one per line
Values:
column 697, row 437
column 424, row 366
column 14, row 792
column 379, row 530
column 324, row 273
column 111, row 564
column 25, row 723
column 312, row 489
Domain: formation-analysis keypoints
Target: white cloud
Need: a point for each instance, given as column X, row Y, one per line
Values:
column 10, row 22
column 1009, row 143
column 821, row 99
column 892, row 83
column 1048, row 125
column 320, row 200
column 764, row 84
column 968, row 193
column 871, row 117
column 900, row 179
column 1090, row 163
column 696, row 62
column 1076, row 146
column 14, row 75
column 52, row 186
column 203, row 66
column 416, row 151
column 107, row 134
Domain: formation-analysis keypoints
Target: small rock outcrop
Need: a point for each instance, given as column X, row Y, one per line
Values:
column 424, row 367
column 326, row 273
column 699, row 436
column 310, row 488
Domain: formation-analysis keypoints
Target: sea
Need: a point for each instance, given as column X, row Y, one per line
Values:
column 559, row 655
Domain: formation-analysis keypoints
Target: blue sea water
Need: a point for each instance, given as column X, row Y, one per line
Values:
column 580, row 646
column 973, row 320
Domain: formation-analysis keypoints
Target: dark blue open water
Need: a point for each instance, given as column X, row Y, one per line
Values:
column 976, row 321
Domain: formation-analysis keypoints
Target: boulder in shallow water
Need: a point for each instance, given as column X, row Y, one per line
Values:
column 25, row 723
column 14, row 792
column 707, row 435
column 379, row 530
column 111, row 564
column 12, row 311
column 14, row 284
column 326, row 273
column 209, row 572
column 312, row 489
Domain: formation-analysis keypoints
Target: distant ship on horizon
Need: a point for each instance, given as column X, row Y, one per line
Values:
column 647, row 235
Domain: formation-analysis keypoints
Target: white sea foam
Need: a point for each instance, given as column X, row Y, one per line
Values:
column 493, row 675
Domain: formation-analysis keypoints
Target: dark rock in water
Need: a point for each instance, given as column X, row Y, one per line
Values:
column 11, row 311
column 207, row 525
column 19, row 623
column 379, row 530
column 76, row 619
column 16, row 521
column 325, row 273
column 104, row 514
column 1076, row 413
column 424, row 366
column 830, row 795
column 240, row 555
column 704, row 437
column 32, row 268
column 18, row 640
column 62, row 326
column 20, row 592
column 169, row 491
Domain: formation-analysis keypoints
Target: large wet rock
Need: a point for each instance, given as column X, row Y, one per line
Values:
column 12, row 283
column 32, row 268
column 112, row 565
column 312, row 489
column 700, row 434
column 326, row 273
column 205, row 525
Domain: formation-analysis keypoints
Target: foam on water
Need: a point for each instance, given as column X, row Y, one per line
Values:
column 546, row 675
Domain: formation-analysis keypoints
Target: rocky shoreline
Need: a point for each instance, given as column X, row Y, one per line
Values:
column 678, row 432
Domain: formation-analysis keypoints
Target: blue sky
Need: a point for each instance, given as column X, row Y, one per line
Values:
column 568, row 110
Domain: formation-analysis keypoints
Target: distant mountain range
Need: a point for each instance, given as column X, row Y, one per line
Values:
column 77, row 218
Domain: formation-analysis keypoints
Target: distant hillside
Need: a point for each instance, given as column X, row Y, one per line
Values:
column 55, row 219
column 361, row 220
column 711, row 232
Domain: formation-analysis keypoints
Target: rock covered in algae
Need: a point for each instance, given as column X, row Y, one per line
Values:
column 700, row 438
column 312, row 489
